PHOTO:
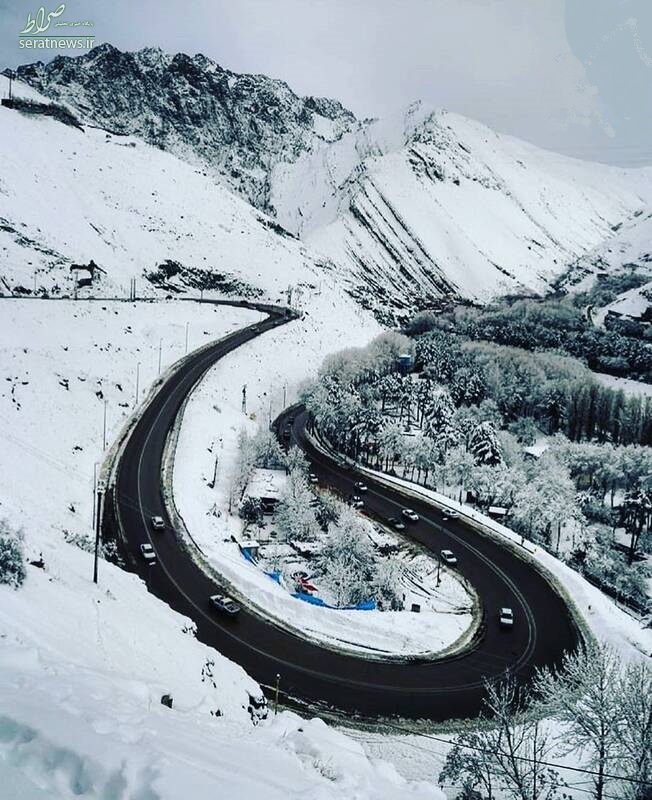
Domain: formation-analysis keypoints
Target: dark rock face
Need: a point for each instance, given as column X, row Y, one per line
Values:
column 240, row 126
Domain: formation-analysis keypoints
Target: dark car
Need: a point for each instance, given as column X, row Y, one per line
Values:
column 361, row 487
column 224, row 604
column 396, row 523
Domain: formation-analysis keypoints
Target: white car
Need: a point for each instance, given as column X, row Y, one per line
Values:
column 506, row 618
column 448, row 557
column 408, row 513
column 147, row 552
column 158, row 523
column 356, row 501
column 449, row 513
column 312, row 478
column 361, row 487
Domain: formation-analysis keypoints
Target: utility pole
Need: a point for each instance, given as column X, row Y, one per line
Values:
column 278, row 683
column 285, row 387
column 34, row 281
column 438, row 570
column 104, row 427
column 160, row 348
column 98, row 526
column 211, row 485
column 244, row 399
column 137, row 383
column 11, row 76
column 94, row 493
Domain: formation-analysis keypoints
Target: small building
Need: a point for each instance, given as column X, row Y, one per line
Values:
column 267, row 486
column 497, row 511
column 405, row 362
column 249, row 549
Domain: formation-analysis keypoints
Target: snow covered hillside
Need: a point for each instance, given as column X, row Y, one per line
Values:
column 630, row 247
column 69, row 195
column 407, row 209
column 84, row 667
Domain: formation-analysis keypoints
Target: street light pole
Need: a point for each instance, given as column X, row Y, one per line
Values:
column 160, row 348
column 98, row 526
column 137, row 383
column 278, row 683
column 438, row 570
column 104, row 427
column 187, row 325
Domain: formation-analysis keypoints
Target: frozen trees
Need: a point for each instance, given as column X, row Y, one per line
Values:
column 606, row 712
column 12, row 559
column 295, row 513
column 507, row 755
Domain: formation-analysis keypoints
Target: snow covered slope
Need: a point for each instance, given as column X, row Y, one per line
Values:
column 407, row 209
column 68, row 196
column 462, row 210
column 630, row 247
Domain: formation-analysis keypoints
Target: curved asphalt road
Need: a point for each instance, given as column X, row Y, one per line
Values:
column 446, row 689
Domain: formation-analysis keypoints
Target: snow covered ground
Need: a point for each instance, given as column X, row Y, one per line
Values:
column 273, row 368
column 607, row 622
column 133, row 207
column 84, row 667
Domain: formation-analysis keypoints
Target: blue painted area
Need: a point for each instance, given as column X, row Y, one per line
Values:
column 246, row 554
column 275, row 576
column 366, row 605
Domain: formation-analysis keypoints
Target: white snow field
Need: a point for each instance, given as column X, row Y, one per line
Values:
column 68, row 196
column 84, row 667
column 272, row 366
column 456, row 205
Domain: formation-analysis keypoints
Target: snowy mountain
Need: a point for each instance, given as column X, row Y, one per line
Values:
column 239, row 125
column 407, row 209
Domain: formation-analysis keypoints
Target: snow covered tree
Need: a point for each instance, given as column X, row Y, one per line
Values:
column 296, row 461
column 12, row 558
column 295, row 514
column 347, row 559
column 484, row 444
column 386, row 584
column 457, row 470
column 582, row 694
column 635, row 740
column 268, row 451
column 438, row 414
column 506, row 754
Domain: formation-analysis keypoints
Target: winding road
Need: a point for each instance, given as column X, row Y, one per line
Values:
column 451, row 688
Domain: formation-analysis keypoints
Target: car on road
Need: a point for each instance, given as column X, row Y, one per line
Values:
column 448, row 557
column 312, row 478
column 356, row 501
column 449, row 513
column 361, row 487
column 158, row 523
column 147, row 552
column 410, row 515
column 224, row 604
column 506, row 618
column 396, row 523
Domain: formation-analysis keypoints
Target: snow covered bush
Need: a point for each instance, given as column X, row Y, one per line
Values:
column 295, row 513
column 348, row 559
column 12, row 558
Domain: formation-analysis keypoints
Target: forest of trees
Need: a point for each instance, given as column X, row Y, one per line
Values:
column 551, row 324
column 462, row 419
column 594, row 705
